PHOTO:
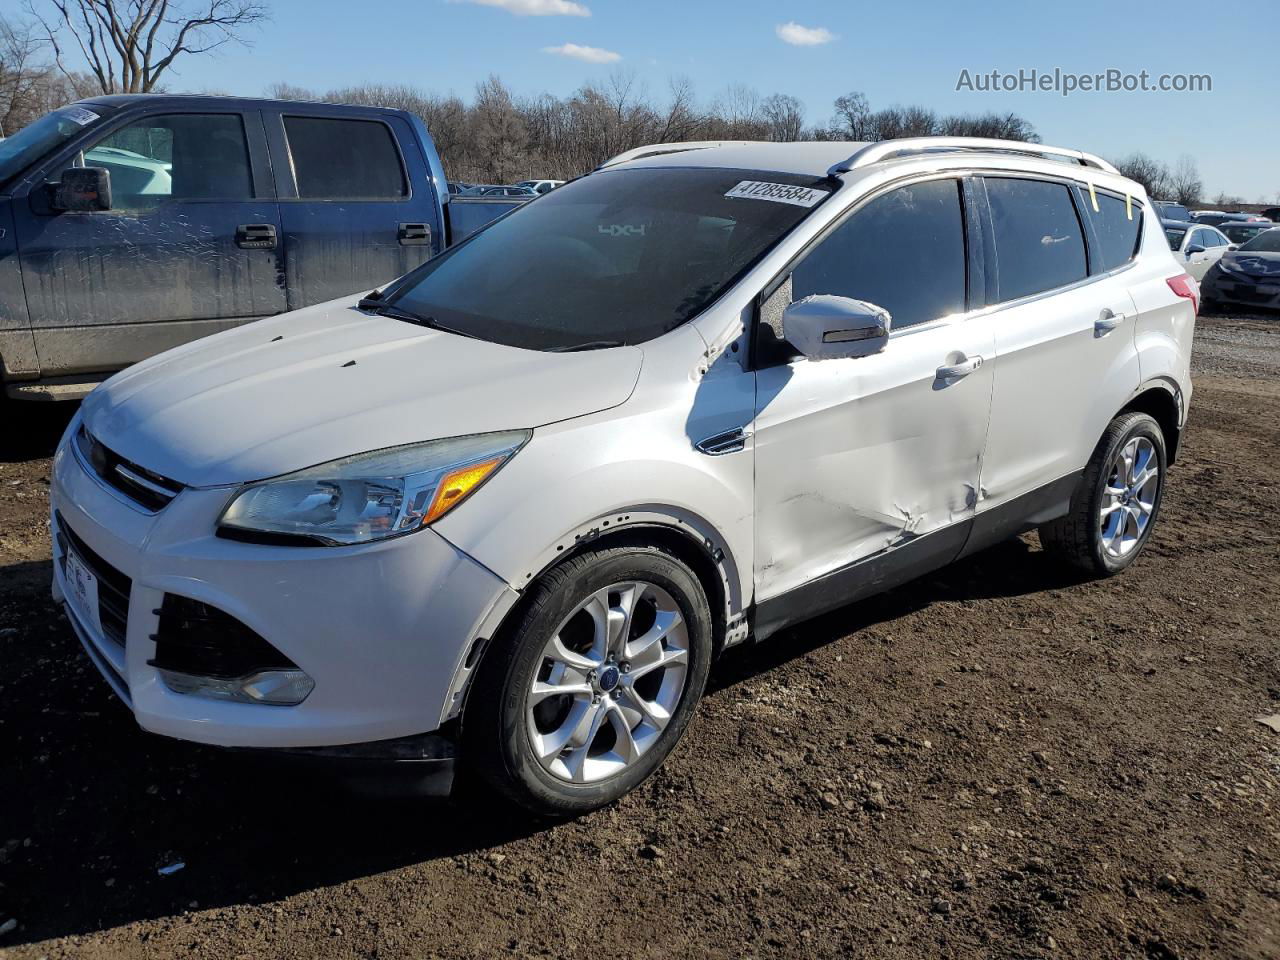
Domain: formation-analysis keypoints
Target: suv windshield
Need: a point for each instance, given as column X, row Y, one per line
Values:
column 48, row 133
column 619, row 257
column 1266, row 242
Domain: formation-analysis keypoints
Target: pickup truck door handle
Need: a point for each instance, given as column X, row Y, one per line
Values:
column 256, row 236
column 1106, row 322
column 955, row 371
column 414, row 234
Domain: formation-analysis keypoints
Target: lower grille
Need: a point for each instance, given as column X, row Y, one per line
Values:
column 113, row 586
column 199, row 639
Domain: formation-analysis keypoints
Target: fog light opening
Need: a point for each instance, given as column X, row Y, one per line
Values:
column 282, row 688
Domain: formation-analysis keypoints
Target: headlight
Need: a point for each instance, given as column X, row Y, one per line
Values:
column 371, row 496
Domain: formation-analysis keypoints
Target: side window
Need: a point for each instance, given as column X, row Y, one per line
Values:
column 180, row 157
column 904, row 251
column 1202, row 238
column 1039, row 245
column 1117, row 233
column 344, row 159
column 1216, row 239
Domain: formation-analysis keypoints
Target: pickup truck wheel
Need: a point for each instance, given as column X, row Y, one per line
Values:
column 588, row 694
column 1115, row 507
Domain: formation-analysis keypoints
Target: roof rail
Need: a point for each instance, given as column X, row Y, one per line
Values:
column 890, row 149
column 657, row 149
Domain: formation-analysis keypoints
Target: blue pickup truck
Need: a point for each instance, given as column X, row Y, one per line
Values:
column 132, row 224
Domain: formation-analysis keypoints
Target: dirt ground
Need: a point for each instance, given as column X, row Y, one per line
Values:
column 996, row 761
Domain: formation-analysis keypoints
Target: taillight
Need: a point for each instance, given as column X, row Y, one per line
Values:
column 1184, row 286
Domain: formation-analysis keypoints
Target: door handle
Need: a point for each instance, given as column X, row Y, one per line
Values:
column 954, row 371
column 1106, row 322
column 414, row 234
column 256, row 236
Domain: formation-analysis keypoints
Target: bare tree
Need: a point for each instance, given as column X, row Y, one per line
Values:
column 783, row 117
column 852, row 116
column 1151, row 173
column 128, row 45
column 1185, row 184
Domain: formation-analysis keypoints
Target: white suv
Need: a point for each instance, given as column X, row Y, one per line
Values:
column 511, row 507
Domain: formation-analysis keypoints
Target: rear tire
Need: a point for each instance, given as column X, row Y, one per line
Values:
column 590, row 691
column 1115, row 507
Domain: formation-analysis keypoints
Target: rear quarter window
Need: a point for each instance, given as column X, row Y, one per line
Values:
column 1038, row 239
column 1117, row 227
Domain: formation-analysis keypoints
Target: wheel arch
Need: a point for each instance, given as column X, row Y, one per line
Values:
column 694, row 543
column 1162, row 401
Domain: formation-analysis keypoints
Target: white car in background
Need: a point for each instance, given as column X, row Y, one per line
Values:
column 541, row 186
column 1196, row 246
column 510, row 509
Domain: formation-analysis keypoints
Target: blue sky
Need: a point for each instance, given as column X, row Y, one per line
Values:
column 894, row 52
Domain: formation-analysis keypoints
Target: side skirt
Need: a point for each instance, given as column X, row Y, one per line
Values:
column 862, row 578
column 915, row 558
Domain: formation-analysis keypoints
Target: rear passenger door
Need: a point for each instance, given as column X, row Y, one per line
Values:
column 1066, row 360
column 353, row 217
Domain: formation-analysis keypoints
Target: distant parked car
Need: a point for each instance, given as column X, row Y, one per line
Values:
column 1243, row 232
column 1272, row 213
column 507, row 192
column 1217, row 219
column 1171, row 210
column 459, row 188
column 1249, row 275
column 540, row 186
column 1197, row 246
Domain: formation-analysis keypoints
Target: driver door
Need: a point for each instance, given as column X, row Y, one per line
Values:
column 868, row 469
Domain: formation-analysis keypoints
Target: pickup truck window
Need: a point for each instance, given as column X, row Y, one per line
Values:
column 344, row 159
column 619, row 257
column 185, row 156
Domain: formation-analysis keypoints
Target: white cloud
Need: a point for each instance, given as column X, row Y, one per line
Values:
column 579, row 52
column 799, row 36
column 536, row 8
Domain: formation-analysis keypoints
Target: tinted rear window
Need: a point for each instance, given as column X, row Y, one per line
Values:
column 1039, row 245
column 1117, row 226
column 344, row 159
column 903, row 251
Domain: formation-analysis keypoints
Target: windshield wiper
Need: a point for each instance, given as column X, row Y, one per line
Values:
column 376, row 305
column 589, row 345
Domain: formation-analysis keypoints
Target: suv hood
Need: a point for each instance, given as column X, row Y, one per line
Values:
column 329, row 381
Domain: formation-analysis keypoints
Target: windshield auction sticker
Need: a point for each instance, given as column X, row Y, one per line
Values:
column 777, row 192
column 80, row 115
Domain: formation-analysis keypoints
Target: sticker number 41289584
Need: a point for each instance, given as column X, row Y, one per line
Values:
column 777, row 192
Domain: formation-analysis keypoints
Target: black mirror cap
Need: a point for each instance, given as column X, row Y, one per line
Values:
column 83, row 189
column 1194, row 248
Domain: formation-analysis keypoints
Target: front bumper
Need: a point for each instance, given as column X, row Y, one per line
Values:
column 382, row 629
column 1227, row 287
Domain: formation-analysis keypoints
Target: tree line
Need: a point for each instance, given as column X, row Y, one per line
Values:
column 501, row 137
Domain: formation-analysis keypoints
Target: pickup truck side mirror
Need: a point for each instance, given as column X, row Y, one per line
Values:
column 83, row 190
column 826, row 327
column 1233, row 246
column 1194, row 248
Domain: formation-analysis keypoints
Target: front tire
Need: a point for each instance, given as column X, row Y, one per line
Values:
column 591, row 690
column 1117, row 503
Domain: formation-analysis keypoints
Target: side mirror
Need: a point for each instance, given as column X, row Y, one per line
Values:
column 83, row 190
column 1233, row 246
column 825, row 327
column 1194, row 248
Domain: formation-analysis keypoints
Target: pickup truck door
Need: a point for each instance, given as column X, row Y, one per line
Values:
column 188, row 247
column 356, row 201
